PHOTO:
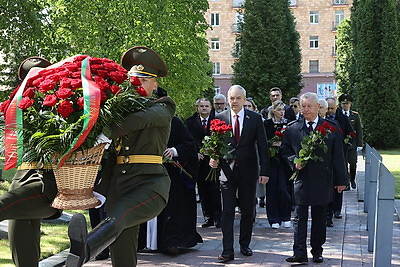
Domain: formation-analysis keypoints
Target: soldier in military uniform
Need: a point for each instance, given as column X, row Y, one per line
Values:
column 28, row 201
column 357, row 142
column 137, row 183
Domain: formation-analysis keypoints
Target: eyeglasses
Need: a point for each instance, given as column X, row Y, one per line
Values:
column 219, row 104
column 247, row 106
column 293, row 106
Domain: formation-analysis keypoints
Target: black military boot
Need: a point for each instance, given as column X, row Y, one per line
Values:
column 86, row 246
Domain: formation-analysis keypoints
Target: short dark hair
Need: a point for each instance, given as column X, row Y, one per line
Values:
column 275, row 89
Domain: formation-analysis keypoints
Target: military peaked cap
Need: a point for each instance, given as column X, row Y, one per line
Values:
column 141, row 61
column 345, row 98
column 30, row 63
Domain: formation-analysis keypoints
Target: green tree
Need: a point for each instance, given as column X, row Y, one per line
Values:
column 375, row 28
column 21, row 24
column 269, row 51
column 101, row 28
column 344, row 59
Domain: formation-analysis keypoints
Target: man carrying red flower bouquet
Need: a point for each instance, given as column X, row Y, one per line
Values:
column 134, row 180
column 316, row 178
column 240, row 173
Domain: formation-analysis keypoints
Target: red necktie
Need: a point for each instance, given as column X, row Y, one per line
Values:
column 310, row 123
column 204, row 123
column 237, row 129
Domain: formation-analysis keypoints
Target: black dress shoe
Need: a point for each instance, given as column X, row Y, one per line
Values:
column 246, row 251
column 227, row 255
column 353, row 184
column 171, row 250
column 102, row 256
column 218, row 224
column 337, row 215
column 261, row 203
column 329, row 223
column 208, row 223
column 318, row 259
column 297, row 259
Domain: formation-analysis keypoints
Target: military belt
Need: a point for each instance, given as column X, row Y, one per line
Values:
column 139, row 159
column 33, row 166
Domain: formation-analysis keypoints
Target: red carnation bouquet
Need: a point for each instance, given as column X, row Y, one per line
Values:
column 64, row 107
column 310, row 144
column 216, row 146
column 348, row 138
column 273, row 149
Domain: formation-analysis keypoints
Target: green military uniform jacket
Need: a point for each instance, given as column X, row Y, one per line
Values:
column 355, row 120
column 142, row 133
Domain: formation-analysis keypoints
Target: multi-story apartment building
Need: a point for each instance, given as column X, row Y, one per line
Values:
column 316, row 22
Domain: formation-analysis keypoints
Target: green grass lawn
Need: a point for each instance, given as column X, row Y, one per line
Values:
column 391, row 160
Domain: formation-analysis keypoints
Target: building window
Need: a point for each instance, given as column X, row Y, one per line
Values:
column 217, row 89
column 314, row 68
column 314, row 17
column 214, row 44
column 216, row 68
column 292, row 2
column 339, row 16
column 238, row 3
column 314, row 42
column 215, row 19
column 339, row 2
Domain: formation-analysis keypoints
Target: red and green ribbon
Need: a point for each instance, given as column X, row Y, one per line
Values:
column 91, row 108
column 13, row 140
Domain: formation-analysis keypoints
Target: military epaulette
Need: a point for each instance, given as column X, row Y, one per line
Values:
column 355, row 112
column 292, row 122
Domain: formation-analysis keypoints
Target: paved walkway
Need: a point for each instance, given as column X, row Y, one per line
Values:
column 346, row 244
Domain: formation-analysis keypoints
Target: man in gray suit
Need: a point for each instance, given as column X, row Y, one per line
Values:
column 240, row 174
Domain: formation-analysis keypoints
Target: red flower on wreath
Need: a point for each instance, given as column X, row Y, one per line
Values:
column 25, row 103
column 50, row 100
column 65, row 108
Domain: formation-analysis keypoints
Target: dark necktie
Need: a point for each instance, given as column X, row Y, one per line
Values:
column 204, row 124
column 310, row 124
column 237, row 129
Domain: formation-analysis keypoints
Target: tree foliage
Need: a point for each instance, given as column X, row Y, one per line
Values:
column 375, row 28
column 270, row 53
column 173, row 28
column 344, row 59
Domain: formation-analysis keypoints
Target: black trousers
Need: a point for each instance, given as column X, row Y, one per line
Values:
column 318, row 229
column 335, row 205
column 246, row 189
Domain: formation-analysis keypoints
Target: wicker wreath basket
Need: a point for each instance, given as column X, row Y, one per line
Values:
column 75, row 180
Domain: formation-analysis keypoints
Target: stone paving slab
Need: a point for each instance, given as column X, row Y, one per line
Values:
column 346, row 245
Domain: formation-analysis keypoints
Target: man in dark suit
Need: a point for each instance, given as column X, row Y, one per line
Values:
column 313, row 187
column 357, row 142
column 275, row 94
column 241, row 172
column 335, row 208
column 210, row 195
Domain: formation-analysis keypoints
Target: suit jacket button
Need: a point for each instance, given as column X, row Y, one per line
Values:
column 123, row 171
column 127, row 148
